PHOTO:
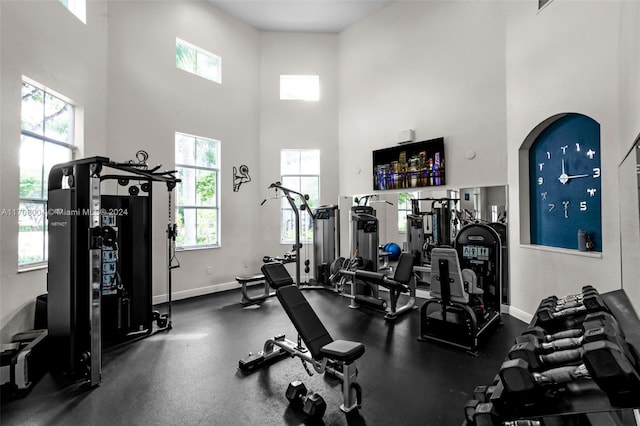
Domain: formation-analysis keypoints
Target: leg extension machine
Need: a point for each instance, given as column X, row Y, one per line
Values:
column 402, row 282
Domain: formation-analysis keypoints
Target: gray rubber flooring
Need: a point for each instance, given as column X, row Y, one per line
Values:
column 188, row 376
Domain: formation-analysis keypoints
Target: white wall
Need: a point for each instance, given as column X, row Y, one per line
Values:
column 436, row 67
column 295, row 124
column 564, row 59
column 150, row 99
column 629, row 132
column 45, row 42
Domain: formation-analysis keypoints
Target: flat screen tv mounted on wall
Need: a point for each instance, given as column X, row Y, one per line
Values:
column 412, row 165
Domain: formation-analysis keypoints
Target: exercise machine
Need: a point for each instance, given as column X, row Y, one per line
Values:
column 461, row 311
column 23, row 360
column 480, row 249
column 326, row 241
column 401, row 283
column 326, row 244
column 364, row 236
column 314, row 345
column 416, row 241
column 364, row 256
column 442, row 224
column 99, row 276
column 291, row 197
column 501, row 230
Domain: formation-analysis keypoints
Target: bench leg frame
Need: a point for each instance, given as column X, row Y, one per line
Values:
column 276, row 347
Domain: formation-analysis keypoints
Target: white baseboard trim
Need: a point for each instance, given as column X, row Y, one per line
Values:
column 210, row 289
column 520, row 314
column 194, row 292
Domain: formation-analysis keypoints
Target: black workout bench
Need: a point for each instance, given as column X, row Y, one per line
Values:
column 336, row 357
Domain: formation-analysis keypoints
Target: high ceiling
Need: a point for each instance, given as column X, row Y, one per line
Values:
column 300, row 15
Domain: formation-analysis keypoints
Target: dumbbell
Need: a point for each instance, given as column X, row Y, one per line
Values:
column 570, row 298
column 481, row 394
column 591, row 302
column 563, row 304
column 570, row 338
column 313, row 405
column 542, row 336
column 567, row 350
column 612, row 363
column 516, row 376
column 606, row 358
column 485, row 414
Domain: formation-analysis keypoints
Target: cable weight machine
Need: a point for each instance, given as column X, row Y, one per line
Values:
column 289, row 194
column 442, row 225
column 99, row 277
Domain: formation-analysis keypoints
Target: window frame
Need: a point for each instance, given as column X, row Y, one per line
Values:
column 42, row 201
column 407, row 210
column 286, row 211
column 200, row 51
column 77, row 7
column 216, row 207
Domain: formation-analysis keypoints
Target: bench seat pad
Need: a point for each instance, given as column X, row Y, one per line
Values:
column 343, row 350
column 249, row 278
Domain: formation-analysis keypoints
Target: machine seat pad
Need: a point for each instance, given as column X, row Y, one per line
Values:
column 343, row 350
column 250, row 278
column 276, row 274
column 379, row 279
column 375, row 277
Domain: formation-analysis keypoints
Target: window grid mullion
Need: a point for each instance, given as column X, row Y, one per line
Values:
column 189, row 166
column 44, row 138
column 42, row 174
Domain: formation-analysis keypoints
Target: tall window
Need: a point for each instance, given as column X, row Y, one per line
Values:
column 46, row 140
column 195, row 60
column 404, row 208
column 77, row 7
column 300, row 171
column 198, row 201
column 300, row 87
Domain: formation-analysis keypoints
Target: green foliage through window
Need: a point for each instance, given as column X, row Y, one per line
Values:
column 197, row 204
column 198, row 61
column 300, row 171
column 46, row 126
column 404, row 208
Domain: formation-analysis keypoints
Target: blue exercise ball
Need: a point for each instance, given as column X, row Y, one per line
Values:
column 394, row 249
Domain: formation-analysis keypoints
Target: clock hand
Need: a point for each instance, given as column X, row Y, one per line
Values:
column 563, row 177
column 577, row 176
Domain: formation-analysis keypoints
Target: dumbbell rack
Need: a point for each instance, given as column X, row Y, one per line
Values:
column 583, row 399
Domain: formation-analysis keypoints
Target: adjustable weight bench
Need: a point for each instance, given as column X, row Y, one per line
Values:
column 314, row 346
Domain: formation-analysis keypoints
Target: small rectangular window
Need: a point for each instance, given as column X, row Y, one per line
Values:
column 198, row 200
column 77, row 7
column 198, row 61
column 300, row 87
